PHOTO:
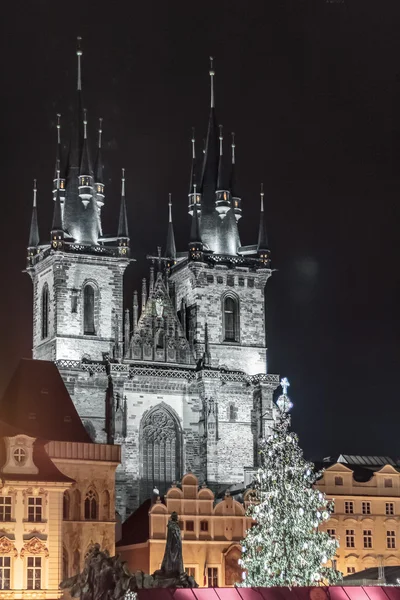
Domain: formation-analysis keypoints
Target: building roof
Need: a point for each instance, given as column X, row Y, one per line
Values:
column 365, row 461
column 36, row 403
column 391, row 575
column 135, row 530
column 47, row 469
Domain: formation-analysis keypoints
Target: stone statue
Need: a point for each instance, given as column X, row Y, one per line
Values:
column 172, row 564
column 108, row 578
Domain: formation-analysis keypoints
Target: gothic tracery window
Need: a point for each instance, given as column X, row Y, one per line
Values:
column 161, row 451
column 88, row 310
column 45, row 311
column 91, row 505
column 231, row 319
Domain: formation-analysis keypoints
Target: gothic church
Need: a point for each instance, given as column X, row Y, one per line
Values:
column 180, row 379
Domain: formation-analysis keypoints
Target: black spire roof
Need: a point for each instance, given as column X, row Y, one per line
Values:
column 34, row 229
column 123, row 219
column 86, row 165
column 98, row 167
column 262, row 231
column 170, row 250
column 209, row 173
column 232, row 179
column 193, row 169
column 220, row 182
column 57, row 214
column 195, row 237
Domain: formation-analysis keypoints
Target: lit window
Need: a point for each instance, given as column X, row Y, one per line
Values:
column 189, row 525
column 91, row 506
column 34, row 509
column 389, row 508
column 388, row 483
column 349, row 507
column 204, row 526
column 366, row 508
column 5, row 572
column 34, row 573
column 391, row 539
column 350, row 538
column 212, row 577
column 350, row 570
column 331, row 533
column 367, row 538
column 88, row 310
column 338, row 480
column 5, row 508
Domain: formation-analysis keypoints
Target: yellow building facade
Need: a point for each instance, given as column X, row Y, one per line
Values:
column 366, row 518
column 211, row 534
column 57, row 498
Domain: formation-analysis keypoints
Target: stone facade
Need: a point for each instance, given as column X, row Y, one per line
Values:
column 366, row 517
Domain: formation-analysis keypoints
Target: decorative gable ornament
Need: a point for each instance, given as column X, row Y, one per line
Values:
column 7, row 547
column 34, row 546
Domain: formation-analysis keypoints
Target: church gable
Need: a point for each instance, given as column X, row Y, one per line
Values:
column 159, row 335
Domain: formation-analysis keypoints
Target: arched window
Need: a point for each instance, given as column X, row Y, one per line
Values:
column 91, row 505
column 88, row 310
column 161, row 448
column 77, row 506
column 66, row 504
column 45, row 311
column 65, row 564
column 231, row 319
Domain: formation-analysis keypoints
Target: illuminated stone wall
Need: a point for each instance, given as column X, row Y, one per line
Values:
column 66, row 275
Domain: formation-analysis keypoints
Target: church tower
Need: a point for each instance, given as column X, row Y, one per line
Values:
column 77, row 273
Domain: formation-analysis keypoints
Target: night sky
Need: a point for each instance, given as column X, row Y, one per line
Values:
column 312, row 90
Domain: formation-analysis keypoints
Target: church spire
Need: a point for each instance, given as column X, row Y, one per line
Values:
column 193, row 198
column 236, row 200
column 222, row 199
column 262, row 246
column 98, row 169
column 123, row 233
column 211, row 154
column 57, row 233
column 58, row 166
column 34, row 229
column 170, row 251
column 85, row 171
column 195, row 244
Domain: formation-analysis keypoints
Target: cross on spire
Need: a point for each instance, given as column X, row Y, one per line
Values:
column 284, row 385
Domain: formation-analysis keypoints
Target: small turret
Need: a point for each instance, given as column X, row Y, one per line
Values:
column 194, row 198
column 123, row 233
column 33, row 242
column 85, row 172
column 235, row 199
column 135, row 312
column 170, row 250
column 57, row 231
column 263, row 246
column 58, row 175
column 98, row 170
column 195, row 244
column 222, row 200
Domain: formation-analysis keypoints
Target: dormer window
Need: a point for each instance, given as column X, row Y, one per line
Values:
column 388, row 483
column 20, row 456
column 338, row 480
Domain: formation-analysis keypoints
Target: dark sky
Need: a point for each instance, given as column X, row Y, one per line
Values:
column 312, row 90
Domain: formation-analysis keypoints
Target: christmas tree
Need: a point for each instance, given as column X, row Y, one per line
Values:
column 284, row 547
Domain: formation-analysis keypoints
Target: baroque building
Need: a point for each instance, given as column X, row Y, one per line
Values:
column 366, row 517
column 57, row 493
column 180, row 378
column 211, row 533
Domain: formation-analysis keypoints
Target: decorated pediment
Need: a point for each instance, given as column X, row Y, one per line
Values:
column 34, row 546
column 7, row 547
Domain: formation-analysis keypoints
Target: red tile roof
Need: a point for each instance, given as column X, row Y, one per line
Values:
column 36, row 402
